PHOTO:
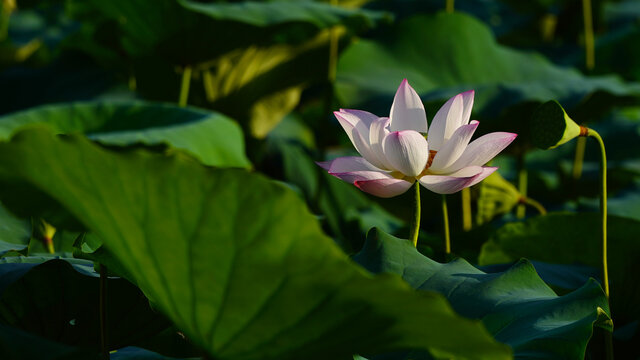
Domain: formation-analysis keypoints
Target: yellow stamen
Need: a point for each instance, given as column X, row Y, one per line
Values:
column 432, row 154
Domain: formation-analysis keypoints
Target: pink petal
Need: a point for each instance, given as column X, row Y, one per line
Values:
column 353, row 168
column 454, row 147
column 350, row 163
column 407, row 151
column 357, row 176
column 325, row 164
column 482, row 149
column 407, row 111
column 486, row 171
column 446, row 121
column 384, row 188
column 449, row 184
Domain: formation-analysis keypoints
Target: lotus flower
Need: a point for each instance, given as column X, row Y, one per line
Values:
column 396, row 153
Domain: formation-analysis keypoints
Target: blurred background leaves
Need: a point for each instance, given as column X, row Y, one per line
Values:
column 262, row 80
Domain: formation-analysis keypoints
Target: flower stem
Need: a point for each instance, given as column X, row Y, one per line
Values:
column 450, row 6
column 445, row 217
column 184, row 87
column 103, row 312
column 207, row 81
column 333, row 50
column 581, row 143
column 522, row 185
column 590, row 60
column 466, row 209
column 416, row 220
column 603, row 208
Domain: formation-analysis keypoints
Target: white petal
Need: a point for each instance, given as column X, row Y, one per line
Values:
column 407, row 111
column 384, row 188
column 467, row 105
column 446, row 121
column 449, row 184
column 379, row 129
column 482, row 149
column 454, row 147
column 407, row 151
column 358, row 132
column 359, row 116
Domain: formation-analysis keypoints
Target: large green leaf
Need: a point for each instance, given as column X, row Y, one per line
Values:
column 445, row 54
column 265, row 13
column 576, row 238
column 211, row 137
column 14, row 233
column 16, row 344
column 136, row 353
column 58, row 300
column 516, row 306
column 235, row 260
column 188, row 32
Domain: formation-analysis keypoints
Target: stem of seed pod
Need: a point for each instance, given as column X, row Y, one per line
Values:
column 445, row 217
column 465, row 196
column 184, row 86
column 416, row 220
column 603, row 208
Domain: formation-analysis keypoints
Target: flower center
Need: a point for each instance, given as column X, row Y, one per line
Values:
column 432, row 154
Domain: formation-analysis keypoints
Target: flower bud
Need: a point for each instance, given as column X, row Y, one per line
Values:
column 551, row 126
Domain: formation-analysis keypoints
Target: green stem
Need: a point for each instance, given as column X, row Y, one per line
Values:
column 103, row 313
column 579, row 157
column 207, row 81
column 416, row 220
column 603, row 209
column 445, row 216
column 608, row 345
column 333, row 50
column 522, row 186
column 450, row 6
column 184, row 87
column 465, row 195
column 590, row 60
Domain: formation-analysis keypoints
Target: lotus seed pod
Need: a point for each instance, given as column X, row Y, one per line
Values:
column 551, row 126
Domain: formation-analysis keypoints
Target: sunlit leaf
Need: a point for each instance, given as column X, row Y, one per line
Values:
column 236, row 261
column 211, row 137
